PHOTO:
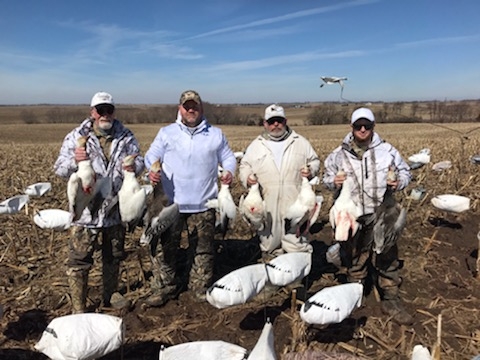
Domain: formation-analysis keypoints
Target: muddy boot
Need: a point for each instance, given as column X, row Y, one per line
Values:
column 395, row 309
column 161, row 296
column 77, row 281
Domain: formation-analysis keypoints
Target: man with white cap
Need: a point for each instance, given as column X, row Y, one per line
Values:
column 190, row 151
column 106, row 143
column 374, row 165
column 277, row 160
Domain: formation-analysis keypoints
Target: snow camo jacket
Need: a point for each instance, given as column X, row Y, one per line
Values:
column 123, row 143
column 190, row 159
column 369, row 171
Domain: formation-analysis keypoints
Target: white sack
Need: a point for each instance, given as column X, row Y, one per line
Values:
column 203, row 350
column 332, row 304
column 81, row 337
column 38, row 189
column 55, row 219
column 287, row 268
column 453, row 203
column 238, row 286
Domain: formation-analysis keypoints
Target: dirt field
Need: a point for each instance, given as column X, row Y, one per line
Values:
column 439, row 252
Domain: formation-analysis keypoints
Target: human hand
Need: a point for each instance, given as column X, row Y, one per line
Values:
column 226, row 178
column 305, row 172
column 80, row 154
column 339, row 179
column 393, row 184
column 251, row 180
column 154, row 177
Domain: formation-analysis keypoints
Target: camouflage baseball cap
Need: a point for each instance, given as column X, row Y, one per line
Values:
column 190, row 95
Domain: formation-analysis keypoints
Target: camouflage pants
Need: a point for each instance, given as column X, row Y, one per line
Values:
column 81, row 246
column 360, row 259
column 196, row 264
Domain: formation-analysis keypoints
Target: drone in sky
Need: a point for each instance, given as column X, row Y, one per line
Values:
column 330, row 80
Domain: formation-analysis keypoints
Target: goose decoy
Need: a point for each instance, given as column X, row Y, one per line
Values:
column 419, row 159
column 159, row 214
column 421, row 352
column 332, row 304
column 55, row 219
column 265, row 347
column 131, row 196
column 238, row 286
column 38, row 189
column 303, row 212
column 442, row 165
column 203, row 350
column 14, row 204
column 252, row 208
column 451, row 203
column 344, row 213
column 81, row 336
column 287, row 268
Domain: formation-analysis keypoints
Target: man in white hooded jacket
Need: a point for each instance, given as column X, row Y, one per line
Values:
column 189, row 151
column 368, row 159
column 278, row 159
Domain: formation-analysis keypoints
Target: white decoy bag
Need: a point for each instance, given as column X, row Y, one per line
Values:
column 238, row 286
column 81, row 337
column 55, row 219
column 333, row 304
column 287, row 268
column 203, row 350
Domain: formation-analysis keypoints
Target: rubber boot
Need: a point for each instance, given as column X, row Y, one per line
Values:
column 77, row 281
column 111, row 297
column 392, row 306
column 162, row 283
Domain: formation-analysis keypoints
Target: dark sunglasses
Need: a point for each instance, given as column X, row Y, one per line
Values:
column 105, row 109
column 274, row 120
column 191, row 106
column 358, row 127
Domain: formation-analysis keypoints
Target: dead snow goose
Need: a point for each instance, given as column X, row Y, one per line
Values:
column 14, row 204
column 300, row 214
column 332, row 304
column 344, row 213
column 203, row 350
column 160, row 214
column 80, row 187
column 38, row 189
column 131, row 196
column 388, row 221
column 238, row 286
column 252, row 208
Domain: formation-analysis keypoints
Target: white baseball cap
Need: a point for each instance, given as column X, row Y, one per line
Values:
column 102, row 98
column 274, row 110
column 363, row 113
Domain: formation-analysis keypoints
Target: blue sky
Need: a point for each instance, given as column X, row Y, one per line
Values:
column 238, row 51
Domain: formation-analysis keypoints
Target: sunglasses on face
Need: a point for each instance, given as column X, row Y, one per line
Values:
column 274, row 120
column 105, row 109
column 191, row 106
column 358, row 127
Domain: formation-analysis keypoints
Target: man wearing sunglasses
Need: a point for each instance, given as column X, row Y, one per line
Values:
column 278, row 159
column 190, row 151
column 374, row 165
column 106, row 143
